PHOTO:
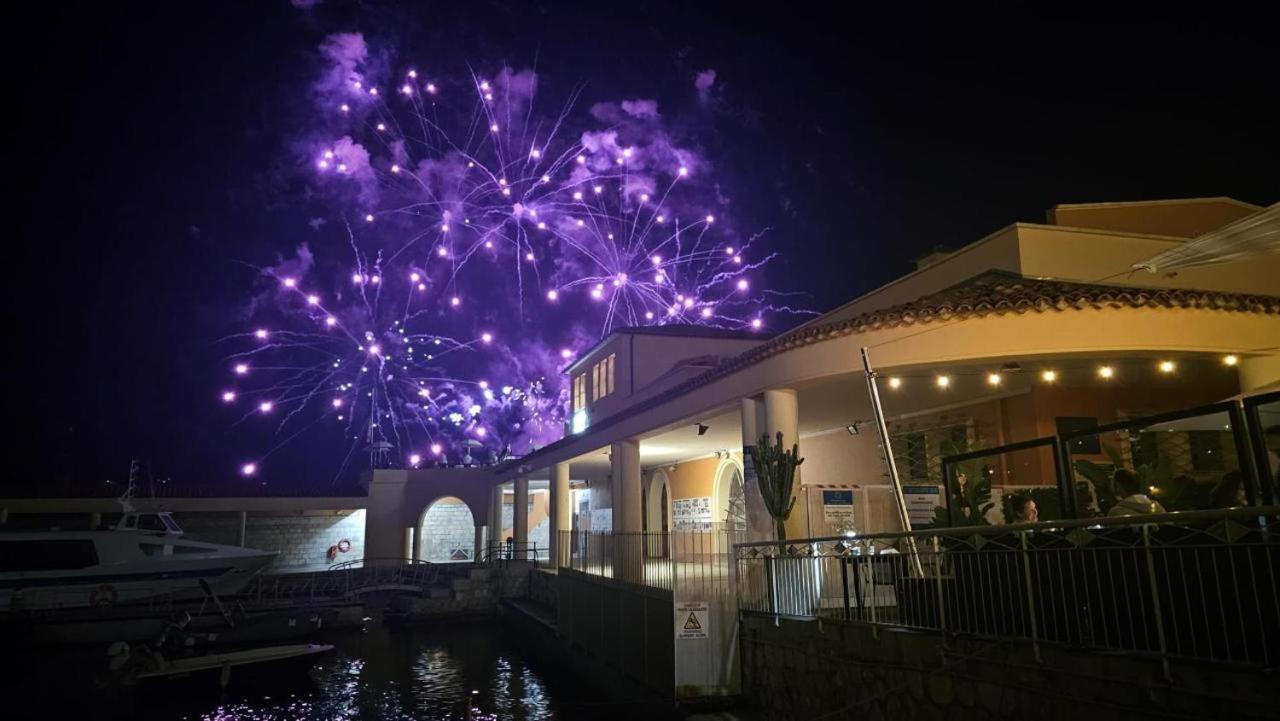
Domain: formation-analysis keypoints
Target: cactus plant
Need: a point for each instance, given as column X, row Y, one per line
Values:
column 776, row 471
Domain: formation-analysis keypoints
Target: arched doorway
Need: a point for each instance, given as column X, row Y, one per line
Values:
column 446, row 532
column 657, row 514
column 729, row 502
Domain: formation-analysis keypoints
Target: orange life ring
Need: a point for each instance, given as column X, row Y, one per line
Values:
column 104, row 595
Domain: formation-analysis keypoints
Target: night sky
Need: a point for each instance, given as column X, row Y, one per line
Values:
column 152, row 143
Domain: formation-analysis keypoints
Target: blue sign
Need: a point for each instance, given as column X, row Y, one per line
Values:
column 837, row 498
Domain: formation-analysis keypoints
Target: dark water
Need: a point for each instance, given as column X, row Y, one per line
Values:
column 422, row 672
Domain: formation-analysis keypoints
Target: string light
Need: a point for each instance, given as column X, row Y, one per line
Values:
column 1230, row 360
column 895, row 383
column 943, row 381
column 1167, row 366
column 993, row 379
column 1049, row 376
column 1105, row 372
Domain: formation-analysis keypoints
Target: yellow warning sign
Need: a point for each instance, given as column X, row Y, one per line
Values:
column 691, row 619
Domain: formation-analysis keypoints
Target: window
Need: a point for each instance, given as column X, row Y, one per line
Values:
column 579, row 392
column 917, row 457
column 1206, row 450
column 603, row 377
column 151, row 522
column 1087, row 444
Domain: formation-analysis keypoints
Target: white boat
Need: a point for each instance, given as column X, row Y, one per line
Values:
column 143, row 558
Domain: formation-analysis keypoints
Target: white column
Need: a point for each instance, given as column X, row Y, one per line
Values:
column 626, row 485
column 782, row 414
column 520, row 515
column 244, row 522
column 479, row 542
column 495, row 515
column 628, row 549
column 560, row 515
column 759, row 524
column 410, row 540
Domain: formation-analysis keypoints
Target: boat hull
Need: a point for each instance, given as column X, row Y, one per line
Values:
column 124, row 573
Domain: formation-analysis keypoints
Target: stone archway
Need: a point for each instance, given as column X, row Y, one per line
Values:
column 728, row 505
column 446, row 532
column 657, row 514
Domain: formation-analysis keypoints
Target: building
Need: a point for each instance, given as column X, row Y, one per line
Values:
column 1035, row 331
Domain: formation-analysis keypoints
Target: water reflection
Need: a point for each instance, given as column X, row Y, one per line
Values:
column 427, row 674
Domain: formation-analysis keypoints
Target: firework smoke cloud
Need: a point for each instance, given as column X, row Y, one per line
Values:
column 474, row 240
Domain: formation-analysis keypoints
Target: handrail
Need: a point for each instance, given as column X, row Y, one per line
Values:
column 378, row 562
column 1137, row 520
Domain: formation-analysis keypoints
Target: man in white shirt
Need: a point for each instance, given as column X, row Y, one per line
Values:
column 1134, row 500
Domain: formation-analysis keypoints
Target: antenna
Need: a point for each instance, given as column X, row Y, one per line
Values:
column 126, row 499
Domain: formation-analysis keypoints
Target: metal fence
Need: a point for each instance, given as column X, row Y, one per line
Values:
column 1200, row 585
column 684, row 559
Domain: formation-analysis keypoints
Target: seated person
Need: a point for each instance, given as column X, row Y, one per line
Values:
column 1024, row 509
column 1229, row 493
column 1134, row 500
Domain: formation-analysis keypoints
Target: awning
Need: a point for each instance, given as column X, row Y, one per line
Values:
column 1257, row 234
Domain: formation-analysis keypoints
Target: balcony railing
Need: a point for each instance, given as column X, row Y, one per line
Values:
column 1199, row 585
column 663, row 560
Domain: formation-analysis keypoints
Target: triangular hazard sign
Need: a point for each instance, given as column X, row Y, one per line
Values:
column 692, row 624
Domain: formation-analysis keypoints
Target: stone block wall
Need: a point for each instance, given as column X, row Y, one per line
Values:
column 447, row 533
column 803, row 669
column 539, row 534
column 301, row 539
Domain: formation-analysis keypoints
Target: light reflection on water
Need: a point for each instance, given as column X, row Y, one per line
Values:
column 425, row 674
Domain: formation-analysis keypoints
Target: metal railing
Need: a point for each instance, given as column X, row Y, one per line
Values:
column 655, row 559
column 345, row 580
column 502, row 553
column 1199, row 585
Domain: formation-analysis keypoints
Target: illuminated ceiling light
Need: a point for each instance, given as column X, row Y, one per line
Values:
column 943, row 381
column 1230, row 360
column 1167, row 366
column 1049, row 376
column 993, row 379
column 1106, row 372
column 895, row 383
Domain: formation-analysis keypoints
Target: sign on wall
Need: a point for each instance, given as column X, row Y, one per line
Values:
column 602, row 519
column 691, row 619
column 837, row 509
column 921, row 500
column 691, row 514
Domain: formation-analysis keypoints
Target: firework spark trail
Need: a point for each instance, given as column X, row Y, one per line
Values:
column 482, row 240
